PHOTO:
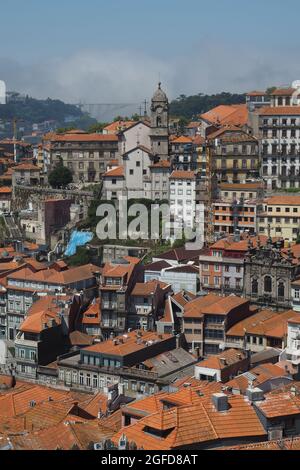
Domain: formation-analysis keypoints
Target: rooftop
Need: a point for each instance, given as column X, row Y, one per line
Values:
column 213, row 305
column 128, row 343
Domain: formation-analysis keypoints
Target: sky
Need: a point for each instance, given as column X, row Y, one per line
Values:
column 115, row 51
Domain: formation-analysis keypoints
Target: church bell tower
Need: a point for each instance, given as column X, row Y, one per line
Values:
column 160, row 124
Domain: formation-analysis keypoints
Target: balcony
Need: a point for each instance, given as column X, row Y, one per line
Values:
column 113, row 324
column 109, row 305
column 143, row 310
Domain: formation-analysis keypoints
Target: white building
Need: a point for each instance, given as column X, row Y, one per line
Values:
column 2, row 92
column 280, row 138
column 292, row 351
column 183, row 199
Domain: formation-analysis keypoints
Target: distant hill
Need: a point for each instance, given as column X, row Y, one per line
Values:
column 29, row 111
column 190, row 106
column 38, row 111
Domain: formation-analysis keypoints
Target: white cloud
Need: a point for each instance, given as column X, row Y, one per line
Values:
column 110, row 76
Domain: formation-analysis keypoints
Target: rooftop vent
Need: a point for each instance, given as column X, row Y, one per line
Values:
column 220, row 401
column 254, row 394
column 32, row 404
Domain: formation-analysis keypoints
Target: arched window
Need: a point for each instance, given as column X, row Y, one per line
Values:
column 268, row 284
column 281, row 289
column 158, row 121
column 254, row 286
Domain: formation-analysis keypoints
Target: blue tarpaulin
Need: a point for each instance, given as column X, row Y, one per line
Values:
column 78, row 239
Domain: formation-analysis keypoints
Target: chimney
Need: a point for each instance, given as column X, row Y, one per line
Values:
column 254, row 394
column 121, row 389
column 220, row 401
column 178, row 341
column 197, row 350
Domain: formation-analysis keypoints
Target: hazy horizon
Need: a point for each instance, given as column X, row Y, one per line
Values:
column 115, row 52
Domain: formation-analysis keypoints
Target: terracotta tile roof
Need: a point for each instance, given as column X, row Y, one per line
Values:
column 213, row 305
column 148, row 288
column 162, row 164
column 182, row 140
column 283, row 200
column 119, row 171
column 92, row 315
column 262, row 373
column 284, row 444
column 17, row 402
column 128, row 343
column 265, row 323
column 194, row 424
column 256, row 93
column 231, row 245
column 223, row 360
column 183, row 297
column 280, row 404
column 117, row 126
column 52, row 276
column 120, row 270
column 236, row 115
column 97, row 404
column 83, row 138
column 26, row 167
column 179, row 174
column 295, row 319
column 5, row 190
column 283, row 91
column 44, row 312
column 280, row 111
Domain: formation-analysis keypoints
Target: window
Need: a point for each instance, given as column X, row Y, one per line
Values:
column 254, row 286
column 32, row 356
column 138, row 164
column 131, row 172
column 268, row 284
column 88, row 380
column 95, row 381
column 80, row 378
column 281, row 289
column 217, row 268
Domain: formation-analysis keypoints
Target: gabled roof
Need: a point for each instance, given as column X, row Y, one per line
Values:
column 129, row 343
column 115, row 172
column 213, row 305
column 148, row 288
column 223, row 360
column 264, row 323
column 257, row 376
column 198, row 423
column 236, row 115
column 182, row 175
column 280, row 111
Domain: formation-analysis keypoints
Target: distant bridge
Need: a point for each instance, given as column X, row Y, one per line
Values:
column 110, row 110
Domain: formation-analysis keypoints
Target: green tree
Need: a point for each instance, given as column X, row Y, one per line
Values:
column 98, row 127
column 60, row 177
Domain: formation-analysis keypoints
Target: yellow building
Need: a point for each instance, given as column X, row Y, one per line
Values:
column 281, row 215
column 235, row 155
